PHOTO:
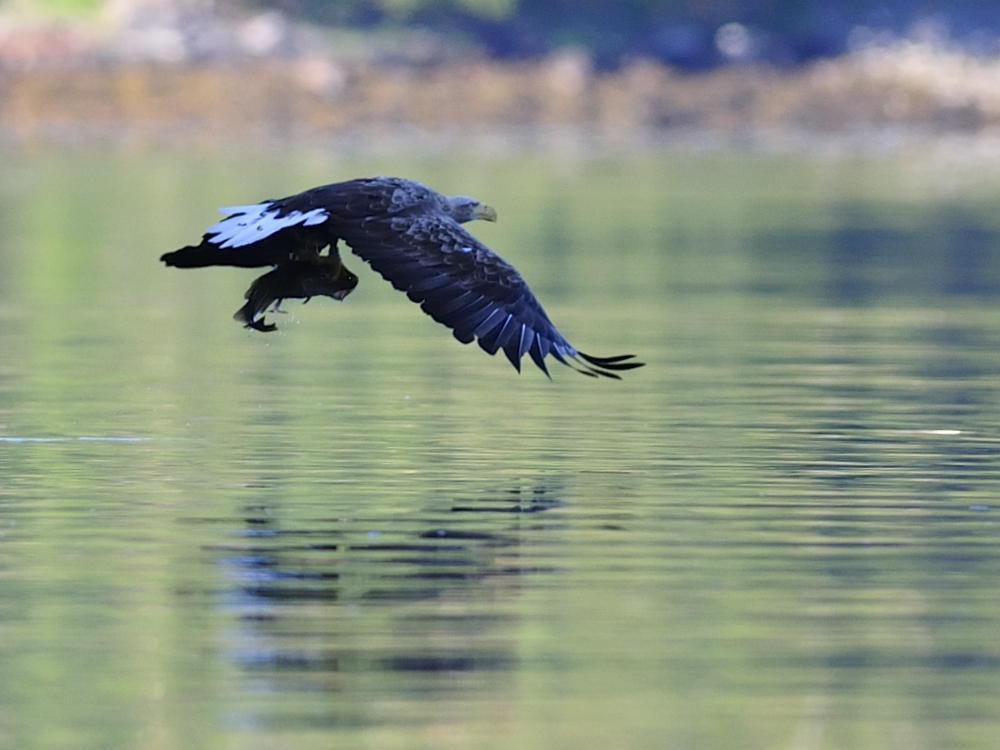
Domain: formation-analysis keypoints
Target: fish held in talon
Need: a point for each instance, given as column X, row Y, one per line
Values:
column 415, row 238
column 323, row 276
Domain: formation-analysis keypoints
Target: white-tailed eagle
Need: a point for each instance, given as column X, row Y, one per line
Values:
column 411, row 235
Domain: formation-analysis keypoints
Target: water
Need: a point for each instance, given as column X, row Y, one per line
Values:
column 783, row 532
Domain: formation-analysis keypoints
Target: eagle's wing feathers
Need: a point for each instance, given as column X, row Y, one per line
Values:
column 459, row 282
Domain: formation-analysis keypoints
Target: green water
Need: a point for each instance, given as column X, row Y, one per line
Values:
column 784, row 532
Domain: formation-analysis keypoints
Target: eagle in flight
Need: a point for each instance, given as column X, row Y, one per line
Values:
column 411, row 235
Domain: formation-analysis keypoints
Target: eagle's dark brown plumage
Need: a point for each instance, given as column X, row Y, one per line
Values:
column 411, row 235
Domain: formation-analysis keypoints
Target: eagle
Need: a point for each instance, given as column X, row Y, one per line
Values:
column 413, row 236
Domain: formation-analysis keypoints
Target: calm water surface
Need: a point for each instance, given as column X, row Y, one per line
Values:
column 784, row 532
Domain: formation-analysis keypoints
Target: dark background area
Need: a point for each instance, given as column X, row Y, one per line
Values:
column 682, row 33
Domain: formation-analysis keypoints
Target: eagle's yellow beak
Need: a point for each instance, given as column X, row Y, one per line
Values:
column 484, row 212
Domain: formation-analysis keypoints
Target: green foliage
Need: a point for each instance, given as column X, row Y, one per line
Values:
column 489, row 9
column 50, row 8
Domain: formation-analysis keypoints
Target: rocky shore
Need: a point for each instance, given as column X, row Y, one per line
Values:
column 909, row 85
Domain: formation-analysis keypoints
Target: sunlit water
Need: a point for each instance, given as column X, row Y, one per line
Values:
column 357, row 533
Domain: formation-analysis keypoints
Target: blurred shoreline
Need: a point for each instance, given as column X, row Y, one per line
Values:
column 907, row 88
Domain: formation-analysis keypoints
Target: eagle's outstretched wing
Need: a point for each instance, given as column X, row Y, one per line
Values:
column 460, row 282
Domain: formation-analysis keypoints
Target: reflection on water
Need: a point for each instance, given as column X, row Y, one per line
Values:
column 425, row 612
column 782, row 532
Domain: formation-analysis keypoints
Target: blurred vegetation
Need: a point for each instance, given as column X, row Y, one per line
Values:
column 52, row 8
column 687, row 34
column 678, row 32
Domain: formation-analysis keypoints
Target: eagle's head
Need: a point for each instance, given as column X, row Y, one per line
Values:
column 462, row 208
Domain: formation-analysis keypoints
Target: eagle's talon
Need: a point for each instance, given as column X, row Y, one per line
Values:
column 260, row 325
